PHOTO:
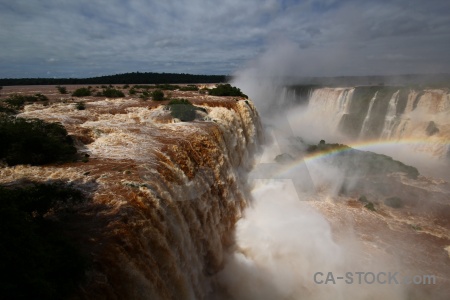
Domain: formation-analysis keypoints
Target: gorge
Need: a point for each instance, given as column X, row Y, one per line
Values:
column 175, row 210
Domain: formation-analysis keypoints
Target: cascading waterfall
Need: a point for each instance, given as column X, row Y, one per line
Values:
column 391, row 117
column 168, row 194
column 365, row 129
column 331, row 103
column 386, row 114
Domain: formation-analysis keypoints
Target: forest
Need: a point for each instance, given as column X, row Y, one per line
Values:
column 125, row 78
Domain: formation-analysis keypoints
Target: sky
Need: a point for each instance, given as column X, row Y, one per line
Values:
column 86, row 38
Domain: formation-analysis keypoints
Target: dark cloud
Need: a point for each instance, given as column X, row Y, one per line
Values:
column 326, row 37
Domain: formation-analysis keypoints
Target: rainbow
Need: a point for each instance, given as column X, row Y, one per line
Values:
column 363, row 146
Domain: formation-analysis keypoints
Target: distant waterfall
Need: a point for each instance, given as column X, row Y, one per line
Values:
column 392, row 119
column 331, row 103
column 386, row 113
column 365, row 129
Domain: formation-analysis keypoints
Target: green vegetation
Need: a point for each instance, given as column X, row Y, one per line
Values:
column 126, row 78
column 157, row 95
column 61, row 89
column 226, row 90
column 80, row 105
column 182, row 109
column 126, row 86
column 363, row 199
column 416, row 227
column 82, row 92
column 189, row 87
column 370, row 206
column 39, row 261
column 33, row 142
column 366, row 163
column 394, row 202
column 432, row 128
column 145, row 95
column 112, row 93
column 7, row 110
column 167, row 87
column 367, row 204
column 17, row 101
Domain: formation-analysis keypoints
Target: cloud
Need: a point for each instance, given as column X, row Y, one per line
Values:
column 204, row 37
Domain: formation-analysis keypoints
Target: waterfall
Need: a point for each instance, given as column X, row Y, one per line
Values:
column 387, row 114
column 364, row 128
column 331, row 104
column 391, row 120
column 168, row 195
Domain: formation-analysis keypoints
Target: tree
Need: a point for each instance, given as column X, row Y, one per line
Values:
column 33, row 141
column 80, row 105
column 157, row 95
column 182, row 109
column 62, row 89
column 113, row 93
column 81, row 92
column 18, row 101
column 226, row 90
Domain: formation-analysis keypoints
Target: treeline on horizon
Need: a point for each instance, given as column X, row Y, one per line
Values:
column 126, row 78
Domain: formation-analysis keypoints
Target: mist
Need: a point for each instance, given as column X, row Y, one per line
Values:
column 298, row 222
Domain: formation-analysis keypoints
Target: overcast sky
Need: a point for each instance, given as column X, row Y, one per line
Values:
column 84, row 38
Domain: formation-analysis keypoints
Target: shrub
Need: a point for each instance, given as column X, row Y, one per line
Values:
column 39, row 259
column 81, row 92
column 62, row 89
column 18, row 101
column 145, row 95
column 370, row 206
column 363, row 199
column 416, row 227
column 132, row 91
column 182, row 109
column 226, row 90
column 33, row 142
column 80, row 105
column 7, row 110
column 113, row 93
column 157, row 95
column 125, row 86
column 432, row 128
